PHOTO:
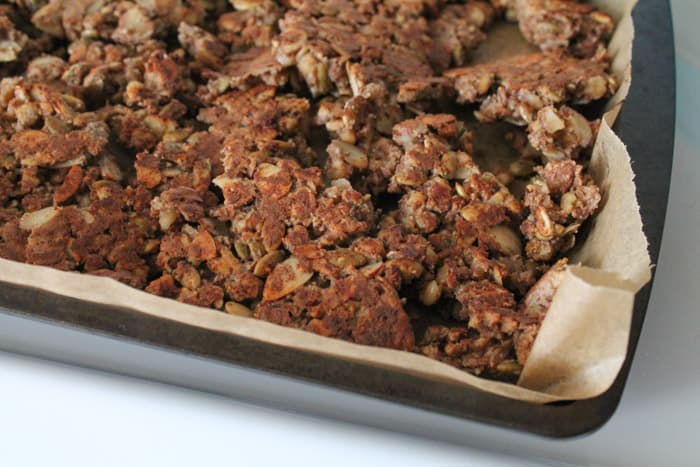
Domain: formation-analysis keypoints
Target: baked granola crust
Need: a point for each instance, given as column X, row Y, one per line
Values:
column 564, row 24
column 516, row 88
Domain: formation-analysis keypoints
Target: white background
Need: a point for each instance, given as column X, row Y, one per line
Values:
column 57, row 415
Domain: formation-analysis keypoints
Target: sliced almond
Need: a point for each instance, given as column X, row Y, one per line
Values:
column 80, row 160
column 284, row 279
column 32, row 220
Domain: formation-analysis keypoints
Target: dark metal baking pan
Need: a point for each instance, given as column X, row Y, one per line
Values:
column 646, row 125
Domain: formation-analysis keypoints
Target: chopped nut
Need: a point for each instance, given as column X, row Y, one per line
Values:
column 233, row 308
column 166, row 218
column 568, row 202
column 134, row 26
column 32, row 220
column 430, row 293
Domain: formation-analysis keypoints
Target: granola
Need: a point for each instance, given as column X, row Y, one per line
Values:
column 567, row 24
column 458, row 29
column 325, row 292
column 12, row 40
column 307, row 162
column 561, row 133
column 514, row 89
column 560, row 198
column 534, row 308
column 460, row 347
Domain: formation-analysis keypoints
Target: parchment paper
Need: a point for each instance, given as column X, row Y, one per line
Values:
column 583, row 340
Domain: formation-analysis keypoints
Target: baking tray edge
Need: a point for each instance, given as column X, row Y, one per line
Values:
column 653, row 88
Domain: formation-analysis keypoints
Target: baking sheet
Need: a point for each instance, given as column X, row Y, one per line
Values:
column 592, row 310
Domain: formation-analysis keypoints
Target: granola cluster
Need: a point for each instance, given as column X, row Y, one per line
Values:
column 515, row 89
column 563, row 24
column 311, row 163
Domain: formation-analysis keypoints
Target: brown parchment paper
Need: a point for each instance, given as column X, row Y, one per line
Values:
column 583, row 340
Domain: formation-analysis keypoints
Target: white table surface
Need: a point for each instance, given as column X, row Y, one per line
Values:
column 60, row 415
